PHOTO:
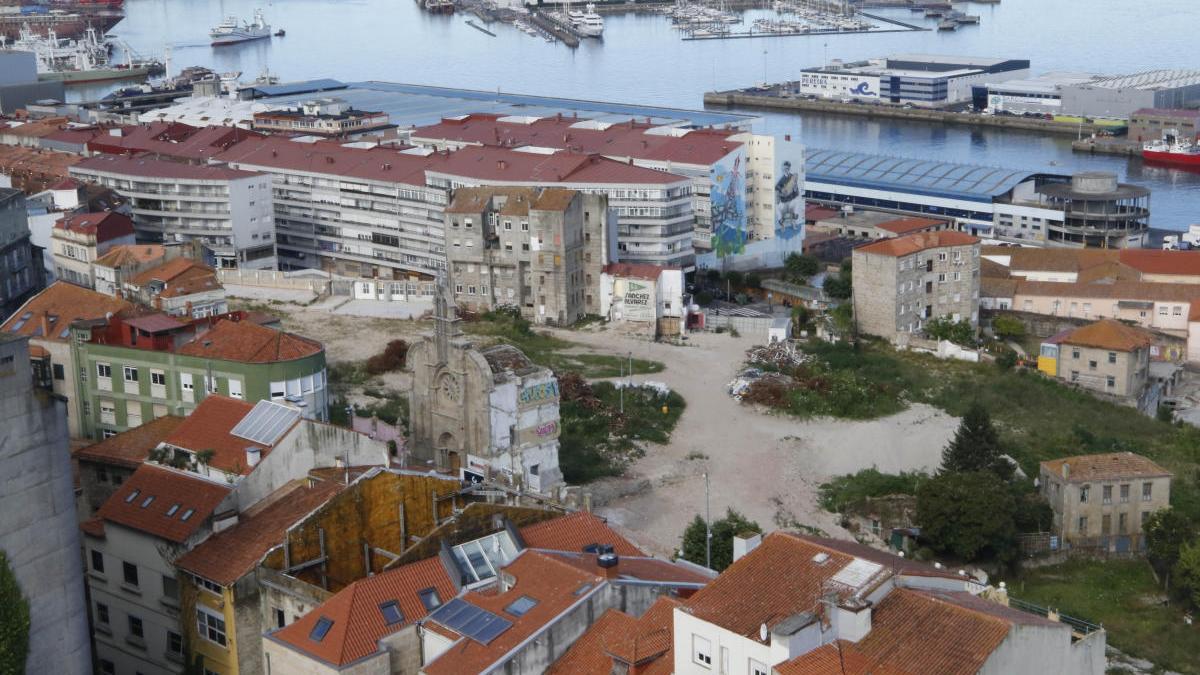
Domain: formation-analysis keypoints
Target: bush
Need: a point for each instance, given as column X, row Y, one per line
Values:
column 850, row 489
column 839, row 287
column 1005, row 326
column 391, row 359
column 14, row 621
column 801, row 267
column 723, row 531
column 1007, row 360
column 945, row 328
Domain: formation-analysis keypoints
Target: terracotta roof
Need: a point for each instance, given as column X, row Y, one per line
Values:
column 1152, row 261
column 163, row 502
column 554, row 199
column 550, row 582
column 105, row 226
column 479, row 199
column 908, row 225
column 358, row 623
column 897, row 564
column 641, row 568
column 126, row 254
column 66, row 184
column 501, row 165
column 816, row 212
column 1110, row 466
column 169, row 271
column 993, row 287
column 914, row 243
column 150, row 167
column 131, row 448
column 61, row 304
column 248, row 342
column 645, row 641
column 228, row 555
column 636, row 270
column 574, row 531
column 388, row 165
column 837, row 658
column 1109, row 334
column 209, row 427
column 155, row 323
column 170, row 139
column 1117, row 290
column 624, row 139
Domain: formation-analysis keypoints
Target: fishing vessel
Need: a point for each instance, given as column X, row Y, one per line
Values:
column 1171, row 149
column 82, row 61
column 63, row 24
column 588, row 23
column 231, row 31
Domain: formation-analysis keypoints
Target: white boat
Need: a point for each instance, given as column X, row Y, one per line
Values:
column 230, row 31
column 588, row 23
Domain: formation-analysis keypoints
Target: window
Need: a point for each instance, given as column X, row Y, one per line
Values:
column 521, row 605
column 131, row 574
column 701, row 651
column 1112, row 357
column 1074, row 352
column 235, row 388
column 1107, row 494
column 131, row 374
column 135, row 627
column 158, row 378
column 1145, row 517
column 1092, row 365
column 1083, row 494
column 97, row 562
column 280, row 618
column 185, row 384
column 429, row 598
column 210, row 626
column 170, row 587
column 391, row 612
column 1105, row 525
column 320, row 629
column 1122, row 523
column 1074, row 375
column 102, row 613
column 107, row 667
column 103, row 370
column 1082, row 524
column 725, row 661
column 108, row 412
column 1110, row 382
column 278, row 391
column 1147, row 488
column 757, row 668
column 58, row 371
column 205, row 583
column 1125, row 493
column 174, row 643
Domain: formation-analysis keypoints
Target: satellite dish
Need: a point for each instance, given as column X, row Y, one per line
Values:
column 762, row 632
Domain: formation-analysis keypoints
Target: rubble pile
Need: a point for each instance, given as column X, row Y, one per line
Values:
column 781, row 355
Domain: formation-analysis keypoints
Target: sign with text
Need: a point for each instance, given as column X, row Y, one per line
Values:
column 636, row 299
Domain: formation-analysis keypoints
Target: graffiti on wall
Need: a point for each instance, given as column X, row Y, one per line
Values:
column 728, row 204
column 547, row 391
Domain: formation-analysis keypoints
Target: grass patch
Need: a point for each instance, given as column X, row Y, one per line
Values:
column 599, row 440
column 854, row 488
column 1122, row 596
column 546, row 350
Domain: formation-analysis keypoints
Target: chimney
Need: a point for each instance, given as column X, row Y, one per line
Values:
column 158, row 302
column 744, row 543
column 224, row 520
column 253, row 455
column 45, row 324
column 610, row 563
column 1066, row 471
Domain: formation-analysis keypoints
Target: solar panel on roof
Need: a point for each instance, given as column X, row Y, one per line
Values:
column 266, row 423
column 473, row 622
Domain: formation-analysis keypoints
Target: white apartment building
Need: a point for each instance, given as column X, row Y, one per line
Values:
column 230, row 212
column 79, row 240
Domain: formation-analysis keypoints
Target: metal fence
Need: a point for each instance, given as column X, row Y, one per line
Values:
column 1078, row 625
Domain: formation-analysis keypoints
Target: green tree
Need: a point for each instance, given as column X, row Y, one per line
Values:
column 1006, row 326
column 1187, row 571
column 723, row 531
column 968, row 515
column 14, row 621
column 735, row 279
column 1007, row 360
column 800, row 267
column 753, row 280
column 945, row 328
column 843, row 319
column 1167, row 531
column 976, row 446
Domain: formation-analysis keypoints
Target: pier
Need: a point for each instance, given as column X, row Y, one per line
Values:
column 568, row 35
column 481, row 29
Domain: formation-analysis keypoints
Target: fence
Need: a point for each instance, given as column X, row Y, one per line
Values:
column 314, row 281
column 324, row 283
column 1078, row 625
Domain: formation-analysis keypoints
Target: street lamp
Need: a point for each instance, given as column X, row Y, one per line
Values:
column 707, row 526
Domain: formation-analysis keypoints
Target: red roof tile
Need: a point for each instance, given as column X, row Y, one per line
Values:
column 248, row 342
column 64, row 303
column 500, row 165
column 913, row 243
column 635, row 567
column 169, row 271
column 163, row 502
column 228, row 555
column 636, row 270
column 105, row 226
column 131, row 253
column 131, row 448
column 209, row 427
column 358, row 623
column 1109, row 334
column 170, row 139
column 1107, row 466
column 158, row 168
column 1151, row 261
column 908, row 225
column 574, row 531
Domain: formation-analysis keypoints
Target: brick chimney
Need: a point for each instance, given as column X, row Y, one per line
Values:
column 610, row 563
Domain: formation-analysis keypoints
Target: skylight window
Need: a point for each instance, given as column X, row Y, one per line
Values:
column 132, row 496
column 147, row 501
column 187, row 514
column 171, row 511
column 391, row 612
column 521, row 605
column 429, row 598
column 320, row 630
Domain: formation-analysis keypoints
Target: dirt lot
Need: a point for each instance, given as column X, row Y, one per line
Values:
column 766, row 466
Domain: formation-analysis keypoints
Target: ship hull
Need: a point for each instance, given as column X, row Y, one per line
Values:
column 102, row 75
column 1176, row 158
column 68, row 26
column 236, row 39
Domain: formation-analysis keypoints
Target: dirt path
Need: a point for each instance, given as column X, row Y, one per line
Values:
column 766, row 466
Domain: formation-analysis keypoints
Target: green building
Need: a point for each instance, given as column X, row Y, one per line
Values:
column 132, row 369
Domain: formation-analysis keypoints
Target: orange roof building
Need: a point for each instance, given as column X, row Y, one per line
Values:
column 1109, row 334
column 104, row 466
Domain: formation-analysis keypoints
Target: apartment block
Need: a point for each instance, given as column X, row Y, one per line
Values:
column 122, row 263
column 21, row 268
column 179, row 288
column 1103, row 501
column 327, row 117
column 135, row 368
column 900, row 283
column 229, row 212
column 541, row 251
column 79, row 240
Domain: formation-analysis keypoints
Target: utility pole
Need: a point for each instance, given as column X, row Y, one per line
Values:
column 622, row 392
column 629, row 370
column 707, row 526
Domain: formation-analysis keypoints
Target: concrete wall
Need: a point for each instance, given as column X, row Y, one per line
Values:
column 1064, row 498
column 38, row 531
column 1031, row 648
column 281, row 659
column 1129, row 369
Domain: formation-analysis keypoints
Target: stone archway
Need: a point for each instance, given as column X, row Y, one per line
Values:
column 447, row 450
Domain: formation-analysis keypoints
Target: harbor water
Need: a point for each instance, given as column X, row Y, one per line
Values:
column 642, row 59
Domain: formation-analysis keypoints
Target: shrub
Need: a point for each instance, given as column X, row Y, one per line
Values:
column 14, row 621
column 1005, row 326
column 723, row 531
column 801, row 267
column 391, row 359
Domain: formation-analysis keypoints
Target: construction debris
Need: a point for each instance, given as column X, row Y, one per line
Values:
column 782, row 355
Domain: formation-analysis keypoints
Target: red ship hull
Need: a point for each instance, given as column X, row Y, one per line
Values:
column 1177, row 158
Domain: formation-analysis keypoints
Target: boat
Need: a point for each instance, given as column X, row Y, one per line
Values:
column 81, row 61
column 231, row 31
column 947, row 24
column 1171, row 149
column 587, row 23
column 67, row 25
column 437, row 6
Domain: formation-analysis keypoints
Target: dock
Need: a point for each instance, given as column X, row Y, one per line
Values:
column 900, row 27
column 745, row 99
column 569, row 36
column 481, row 29
column 1108, row 145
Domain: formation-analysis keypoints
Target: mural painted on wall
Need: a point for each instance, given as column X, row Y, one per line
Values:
column 789, row 191
column 728, row 204
column 538, row 393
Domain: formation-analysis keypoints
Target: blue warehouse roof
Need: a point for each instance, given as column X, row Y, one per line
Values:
column 913, row 176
